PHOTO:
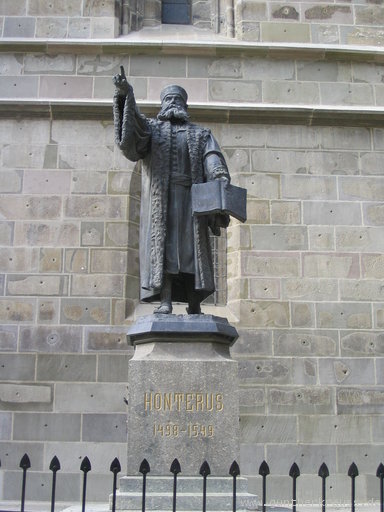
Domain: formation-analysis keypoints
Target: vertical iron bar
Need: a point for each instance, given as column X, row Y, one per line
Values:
column 353, row 472
column 323, row 474
column 234, row 470
column 144, row 469
column 205, row 470
column 264, row 472
column 115, row 468
column 85, row 467
column 380, row 475
column 54, row 467
column 175, row 469
column 294, row 473
column 25, row 464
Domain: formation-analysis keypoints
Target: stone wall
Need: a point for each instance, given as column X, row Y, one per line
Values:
column 302, row 129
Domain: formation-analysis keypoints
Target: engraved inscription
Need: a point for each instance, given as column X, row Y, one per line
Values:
column 175, row 430
column 190, row 402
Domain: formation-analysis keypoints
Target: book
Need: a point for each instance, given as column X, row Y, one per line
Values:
column 219, row 196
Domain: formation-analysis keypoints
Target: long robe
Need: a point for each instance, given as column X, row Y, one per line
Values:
column 171, row 239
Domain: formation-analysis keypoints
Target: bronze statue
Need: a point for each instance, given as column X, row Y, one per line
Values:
column 175, row 255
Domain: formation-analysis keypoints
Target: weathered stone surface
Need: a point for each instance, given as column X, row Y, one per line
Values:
column 37, row 285
column 47, row 427
column 30, row 208
column 264, row 289
column 373, row 214
column 269, row 264
column 95, row 207
column 47, row 234
column 52, row 367
column 344, row 315
column 11, row 181
column 109, row 261
column 307, row 457
column 18, row 260
column 104, row 428
column 113, row 367
column 17, row 367
column 359, row 239
column 267, row 429
column 269, row 371
column 283, row 238
column 292, row 92
column 334, row 429
column 285, row 32
column 97, row 285
column 369, row 15
column 50, row 260
column 309, row 289
column 321, row 238
column 252, row 342
column 309, row 187
column 285, row 212
column 332, row 213
column 104, row 398
column 76, row 260
column 6, row 425
column 92, row 234
column 15, row 394
column 331, row 265
column 308, row 400
column 360, row 401
column 347, row 371
column 305, row 343
column 85, row 311
column 8, row 338
column 6, row 232
column 13, row 8
column 79, row 27
column 41, row 64
column 287, row 12
column 264, row 314
column 50, row 339
column 19, row 27
column 106, row 339
column 362, row 343
column 369, row 290
column 365, row 188
column 303, row 315
column 146, row 65
column 17, row 310
column 48, row 311
column 337, row 13
column 228, row 90
column 88, row 182
column 251, row 400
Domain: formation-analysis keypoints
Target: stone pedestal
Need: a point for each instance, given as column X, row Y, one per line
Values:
column 183, row 395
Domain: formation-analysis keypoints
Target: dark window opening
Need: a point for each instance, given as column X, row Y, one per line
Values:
column 176, row 12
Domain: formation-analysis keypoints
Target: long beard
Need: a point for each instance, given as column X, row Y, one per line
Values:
column 173, row 113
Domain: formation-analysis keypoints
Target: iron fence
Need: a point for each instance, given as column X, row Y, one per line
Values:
column 205, row 471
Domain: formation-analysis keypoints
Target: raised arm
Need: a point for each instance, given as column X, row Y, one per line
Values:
column 132, row 131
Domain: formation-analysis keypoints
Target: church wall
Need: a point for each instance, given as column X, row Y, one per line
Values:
column 302, row 130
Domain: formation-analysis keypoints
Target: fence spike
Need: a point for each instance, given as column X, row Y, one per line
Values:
column 323, row 471
column 55, row 464
column 353, row 471
column 115, row 466
column 175, row 467
column 294, row 472
column 264, row 469
column 25, row 463
column 205, row 470
column 234, row 470
column 85, row 465
column 144, row 467
column 380, row 474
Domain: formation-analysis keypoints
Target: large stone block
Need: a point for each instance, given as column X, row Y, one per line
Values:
column 263, row 186
column 146, row 65
column 50, row 234
column 11, row 182
column 285, row 32
column 79, row 28
column 106, row 339
column 50, row 260
column 6, row 425
column 37, row 285
column 109, row 261
column 264, row 313
column 334, row 13
column 90, row 182
column 302, row 315
column 359, row 239
column 113, row 368
column 347, row 371
column 47, row 182
column 369, row 290
column 104, row 428
column 51, row 339
column 264, row 289
column 19, row 27
column 30, row 207
column 76, row 261
column 332, row 430
column 40, row 483
column 6, row 233
column 279, row 238
column 309, row 289
column 285, row 212
column 17, row 310
column 369, row 15
column 208, row 67
column 11, row 454
column 269, row 264
column 377, row 429
column 362, row 343
column 23, row 396
column 252, row 401
column 46, row 427
column 268, row 429
column 353, row 315
column 336, row 137
column 291, row 93
column 85, row 311
column 234, row 91
column 308, row 457
column 331, row 265
column 265, row 371
column 65, row 367
column 305, row 343
column 29, row 156
column 363, row 188
column 17, row 367
column 300, row 400
column 54, row 7
column 97, row 285
column 323, row 71
column 8, row 338
column 309, row 187
column 267, row 69
column 18, row 260
column 95, row 397
column 252, row 342
column 346, row 94
column 92, row 234
column 99, row 8
column 48, row 311
column 373, row 214
column 321, row 238
column 65, row 87
column 300, row 137
column 360, row 401
column 41, row 64
column 95, row 207
column 332, row 213
column 104, row 27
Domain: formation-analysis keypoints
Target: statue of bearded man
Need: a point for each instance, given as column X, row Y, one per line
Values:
column 175, row 256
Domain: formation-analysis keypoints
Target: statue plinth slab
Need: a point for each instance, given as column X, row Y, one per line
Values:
column 183, row 394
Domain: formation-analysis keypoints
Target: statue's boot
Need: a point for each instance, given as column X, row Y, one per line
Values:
column 165, row 307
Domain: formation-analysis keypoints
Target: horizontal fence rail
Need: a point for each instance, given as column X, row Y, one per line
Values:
column 205, row 471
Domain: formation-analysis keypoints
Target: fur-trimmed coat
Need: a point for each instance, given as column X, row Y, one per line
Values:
column 150, row 141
